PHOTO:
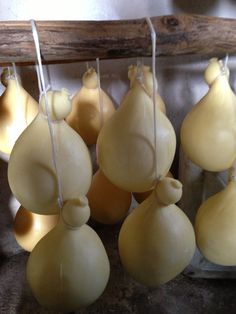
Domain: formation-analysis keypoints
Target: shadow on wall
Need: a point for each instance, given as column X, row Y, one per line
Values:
column 193, row 6
column 29, row 80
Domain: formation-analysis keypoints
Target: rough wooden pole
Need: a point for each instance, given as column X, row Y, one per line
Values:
column 69, row 41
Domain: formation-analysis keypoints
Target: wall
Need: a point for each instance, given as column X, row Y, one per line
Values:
column 110, row 9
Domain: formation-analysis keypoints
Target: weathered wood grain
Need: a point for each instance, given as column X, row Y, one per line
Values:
column 69, row 41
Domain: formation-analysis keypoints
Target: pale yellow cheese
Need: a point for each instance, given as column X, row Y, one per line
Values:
column 17, row 110
column 69, row 268
column 157, row 241
column 215, row 227
column 125, row 145
column 31, row 172
column 208, row 132
column 86, row 116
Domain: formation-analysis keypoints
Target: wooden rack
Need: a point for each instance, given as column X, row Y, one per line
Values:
column 70, row 41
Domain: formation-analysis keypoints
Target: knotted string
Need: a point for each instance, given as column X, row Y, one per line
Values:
column 50, row 126
column 223, row 68
column 226, row 60
column 139, row 73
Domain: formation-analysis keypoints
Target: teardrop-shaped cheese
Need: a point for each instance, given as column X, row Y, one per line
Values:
column 147, row 79
column 86, row 117
column 69, row 268
column 156, row 241
column 125, row 146
column 108, row 203
column 208, row 132
column 31, row 173
column 215, row 227
column 29, row 228
column 17, row 110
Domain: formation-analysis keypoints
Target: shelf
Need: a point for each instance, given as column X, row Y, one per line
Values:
column 70, row 41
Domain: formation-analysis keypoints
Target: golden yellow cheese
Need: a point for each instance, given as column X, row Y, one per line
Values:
column 86, row 117
column 147, row 80
column 157, row 241
column 215, row 227
column 108, row 203
column 125, row 146
column 208, row 132
column 17, row 110
column 29, row 228
column 31, row 172
column 69, row 268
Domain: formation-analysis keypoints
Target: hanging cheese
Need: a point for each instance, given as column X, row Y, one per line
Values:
column 140, row 197
column 208, row 132
column 215, row 227
column 147, row 80
column 125, row 146
column 86, row 117
column 29, row 228
column 69, row 268
column 108, row 203
column 17, row 110
column 156, row 241
column 31, row 173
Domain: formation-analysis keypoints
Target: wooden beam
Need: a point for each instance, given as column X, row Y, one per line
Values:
column 70, row 41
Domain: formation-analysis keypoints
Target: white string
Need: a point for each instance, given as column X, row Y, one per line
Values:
column 223, row 69
column 9, row 72
column 48, row 78
column 15, row 75
column 87, row 65
column 52, row 135
column 139, row 72
column 39, row 81
column 153, row 37
column 226, row 61
column 99, row 93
